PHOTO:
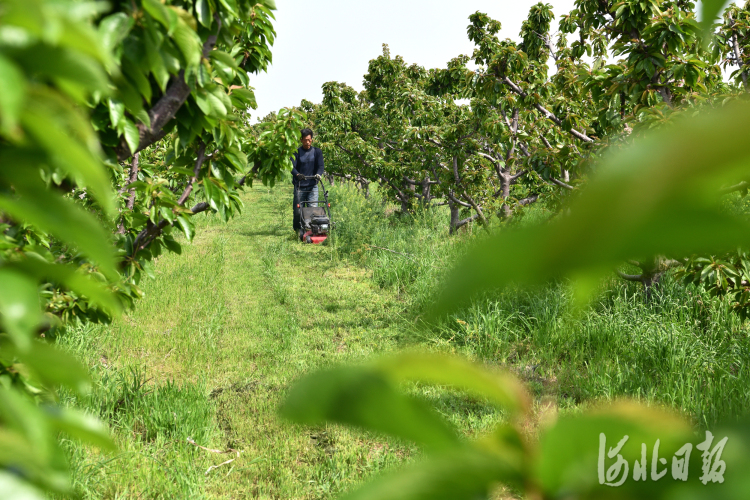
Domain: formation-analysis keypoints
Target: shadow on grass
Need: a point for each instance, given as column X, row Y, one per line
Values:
column 268, row 232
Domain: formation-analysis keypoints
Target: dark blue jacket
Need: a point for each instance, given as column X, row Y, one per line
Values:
column 307, row 162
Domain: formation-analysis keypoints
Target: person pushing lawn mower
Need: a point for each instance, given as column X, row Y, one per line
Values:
column 307, row 169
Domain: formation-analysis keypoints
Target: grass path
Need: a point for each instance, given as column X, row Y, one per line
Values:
column 222, row 331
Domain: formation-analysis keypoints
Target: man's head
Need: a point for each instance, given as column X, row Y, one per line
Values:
column 307, row 138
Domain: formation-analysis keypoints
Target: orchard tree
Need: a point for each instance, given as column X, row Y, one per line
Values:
column 619, row 68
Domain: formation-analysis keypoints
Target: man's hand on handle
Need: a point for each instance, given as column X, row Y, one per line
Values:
column 300, row 177
column 317, row 177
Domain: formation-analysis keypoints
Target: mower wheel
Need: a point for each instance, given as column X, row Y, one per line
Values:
column 308, row 240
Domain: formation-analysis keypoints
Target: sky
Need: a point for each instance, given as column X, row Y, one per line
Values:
column 333, row 40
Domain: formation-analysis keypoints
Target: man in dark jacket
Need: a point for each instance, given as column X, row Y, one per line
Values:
column 307, row 162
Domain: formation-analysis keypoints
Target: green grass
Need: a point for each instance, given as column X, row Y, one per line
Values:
column 683, row 349
column 208, row 355
column 226, row 327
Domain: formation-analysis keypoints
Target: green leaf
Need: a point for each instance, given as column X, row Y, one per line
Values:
column 658, row 197
column 172, row 245
column 364, row 398
column 161, row 13
column 167, row 214
column 63, row 64
column 710, row 10
column 53, row 367
column 188, row 42
column 52, row 123
column 464, row 474
column 132, row 135
column 501, row 388
column 12, row 94
column 14, row 488
column 231, row 6
column 204, row 13
column 156, row 61
column 82, row 426
column 136, row 75
column 19, row 306
column 113, row 29
column 116, row 112
column 225, row 59
column 66, row 221
column 237, row 158
column 66, row 275
column 570, row 450
column 187, row 227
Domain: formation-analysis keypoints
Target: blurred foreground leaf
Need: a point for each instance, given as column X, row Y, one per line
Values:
column 502, row 389
column 710, row 10
column 364, row 398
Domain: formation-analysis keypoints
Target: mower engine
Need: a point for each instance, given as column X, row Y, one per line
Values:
column 315, row 224
column 315, row 220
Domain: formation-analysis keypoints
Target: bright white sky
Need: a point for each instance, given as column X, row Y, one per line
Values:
column 333, row 40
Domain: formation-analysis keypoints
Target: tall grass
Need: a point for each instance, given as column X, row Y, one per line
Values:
column 683, row 348
column 405, row 252
column 153, row 424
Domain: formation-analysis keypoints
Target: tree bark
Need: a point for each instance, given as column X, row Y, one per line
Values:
column 736, row 50
column 132, row 177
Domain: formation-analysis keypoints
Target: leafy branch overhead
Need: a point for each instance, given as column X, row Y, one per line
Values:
column 118, row 123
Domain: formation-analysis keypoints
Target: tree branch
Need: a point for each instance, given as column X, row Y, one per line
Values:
column 562, row 184
column 166, row 107
column 152, row 231
column 547, row 114
column 132, row 177
column 736, row 49
column 474, row 205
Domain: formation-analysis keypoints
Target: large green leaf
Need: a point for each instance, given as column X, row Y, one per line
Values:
column 569, row 455
column 161, row 13
column 466, row 474
column 113, row 29
column 20, row 313
column 82, row 426
column 53, row 367
column 70, row 143
column 85, row 285
column 501, row 388
column 66, row 221
column 64, row 64
column 364, row 397
column 188, row 42
column 710, row 10
column 14, row 488
column 658, row 196
column 12, row 92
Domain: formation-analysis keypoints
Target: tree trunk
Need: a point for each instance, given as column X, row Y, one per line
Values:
column 505, row 187
column 455, row 210
column 404, row 205
column 426, row 191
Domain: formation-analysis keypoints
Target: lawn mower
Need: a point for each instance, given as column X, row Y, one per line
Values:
column 315, row 220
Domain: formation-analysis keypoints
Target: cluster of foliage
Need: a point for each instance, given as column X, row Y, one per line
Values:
column 496, row 131
column 118, row 123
